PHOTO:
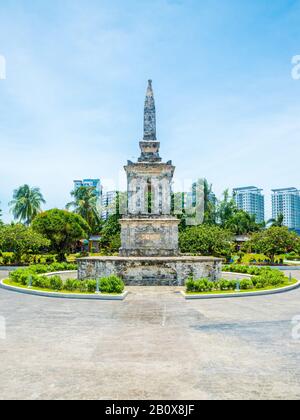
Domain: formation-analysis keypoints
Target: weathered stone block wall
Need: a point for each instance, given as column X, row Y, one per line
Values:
column 150, row 272
column 149, row 237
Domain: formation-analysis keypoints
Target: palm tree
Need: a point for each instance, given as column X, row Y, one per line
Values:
column 85, row 204
column 227, row 208
column 243, row 223
column 26, row 204
column 209, row 204
column 279, row 222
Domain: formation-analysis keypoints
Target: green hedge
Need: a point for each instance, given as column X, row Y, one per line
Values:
column 266, row 278
column 22, row 275
column 245, row 269
column 9, row 258
column 110, row 284
column 34, row 276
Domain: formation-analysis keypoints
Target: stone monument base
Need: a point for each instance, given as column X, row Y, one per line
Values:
column 155, row 271
column 149, row 236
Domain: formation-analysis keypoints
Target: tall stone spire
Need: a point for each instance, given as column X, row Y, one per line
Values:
column 150, row 115
column 149, row 145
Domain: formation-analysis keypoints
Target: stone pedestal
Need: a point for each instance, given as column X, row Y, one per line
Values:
column 155, row 271
column 151, row 236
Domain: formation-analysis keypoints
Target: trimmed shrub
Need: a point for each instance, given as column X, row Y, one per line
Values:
column 227, row 284
column 201, row 285
column 71, row 285
column 246, row 285
column 190, row 285
column 19, row 276
column 91, row 286
column 41, row 282
column 269, row 278
column 56, row 283
column 261, row 278
column 111, row 284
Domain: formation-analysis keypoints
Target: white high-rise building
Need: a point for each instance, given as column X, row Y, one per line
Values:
column 108, row 201
column 251, row 200
column 95, row 183
column 286, row 201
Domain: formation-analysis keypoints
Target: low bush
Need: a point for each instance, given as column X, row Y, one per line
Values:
column 266, row 278
column 91, row 286
column 269, row 278
column 56, row 283
column 201, row 285
column 227, row 284
column 52, row 268
column 41, row 282
column 20, row 275
column 111, row 284
column 71, row 285
column 244, row 269
column 24, row 277
column 246, row 285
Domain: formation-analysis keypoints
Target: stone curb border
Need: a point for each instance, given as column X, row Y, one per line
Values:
column 242, row 275
column 58, row 295
column 242, row 294
column 59, row 273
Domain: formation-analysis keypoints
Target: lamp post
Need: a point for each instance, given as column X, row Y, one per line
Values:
column 98, row 291
column 238, row 285
column 30, row 282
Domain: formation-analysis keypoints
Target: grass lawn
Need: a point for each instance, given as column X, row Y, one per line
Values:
column 9, row 282
column 221, row 292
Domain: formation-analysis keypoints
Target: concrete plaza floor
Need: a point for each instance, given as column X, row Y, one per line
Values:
column 154, row 345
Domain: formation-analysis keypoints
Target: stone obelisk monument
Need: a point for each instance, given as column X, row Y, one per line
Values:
column 149, row 254
column 148, row 229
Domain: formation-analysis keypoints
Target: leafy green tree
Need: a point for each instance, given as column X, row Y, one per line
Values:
column 273, row 241
column 110, row 234
column 86, row 205
column 226, row 209
column 1, row 222
column 21, row 240
column 206, row 240
column 62, row 228
column 242, row 223
column 26, row 204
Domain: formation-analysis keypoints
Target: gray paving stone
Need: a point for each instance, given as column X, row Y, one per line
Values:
column 154, row 345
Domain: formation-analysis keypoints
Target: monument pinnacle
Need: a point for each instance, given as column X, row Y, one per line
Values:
column 150, row 115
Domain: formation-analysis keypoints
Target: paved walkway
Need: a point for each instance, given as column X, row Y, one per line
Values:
column 154, row 345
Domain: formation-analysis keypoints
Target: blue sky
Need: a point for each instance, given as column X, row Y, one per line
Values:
column 72, row 102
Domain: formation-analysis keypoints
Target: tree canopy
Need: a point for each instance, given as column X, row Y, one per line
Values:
column 242, row 223
column 62, row 228
column 21, row 240
column 206, row 240
column 110, row 234
column 274, row 241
